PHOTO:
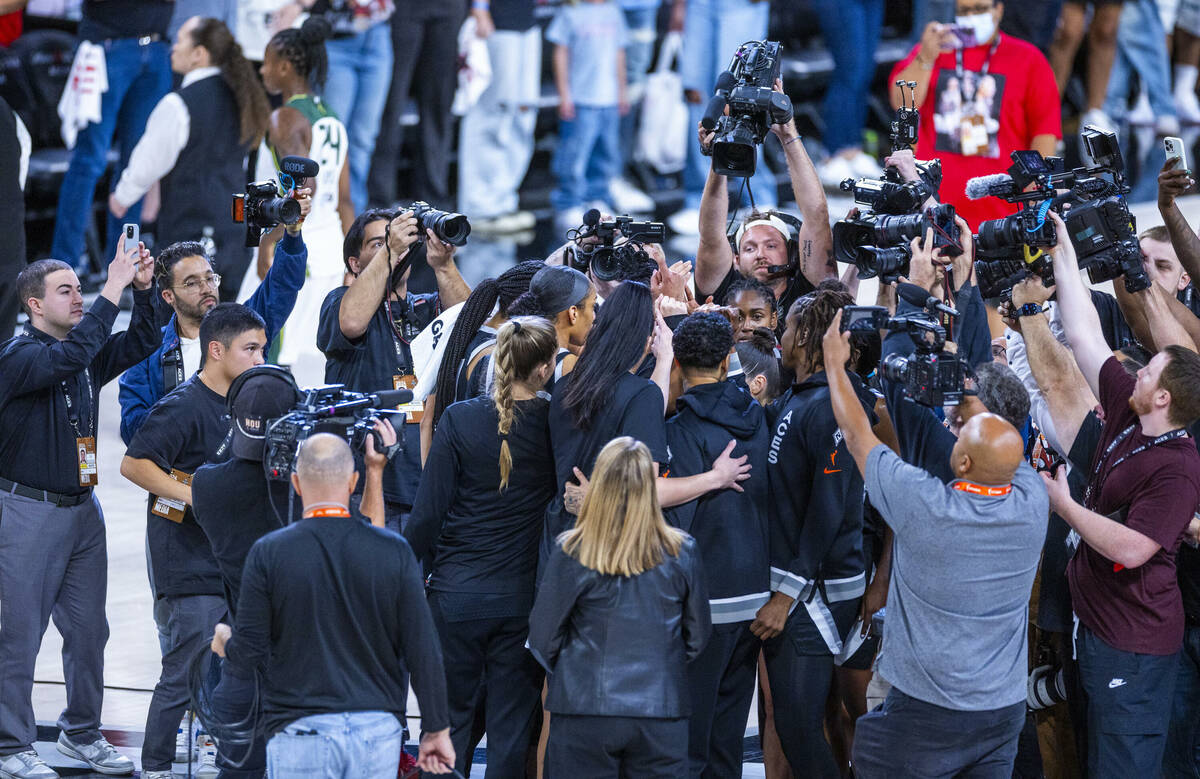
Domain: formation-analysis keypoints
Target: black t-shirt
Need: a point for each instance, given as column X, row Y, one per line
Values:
column 183, row 431
column 104, row 19
column 513, row 14
column 635, row 409
column 351, row 598
column 475, row 538
column 235, row 505
column 1112, row 322
column 797, row 286
column 370, row 362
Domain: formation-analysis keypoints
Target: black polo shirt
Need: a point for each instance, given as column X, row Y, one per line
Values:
column 38, row 373
column 369, row 363
column 184, row 430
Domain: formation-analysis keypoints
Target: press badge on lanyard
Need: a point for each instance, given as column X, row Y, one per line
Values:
column 85, row 445
column 413, row 409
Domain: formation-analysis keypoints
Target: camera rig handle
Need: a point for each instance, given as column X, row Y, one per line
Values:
column 908, row 119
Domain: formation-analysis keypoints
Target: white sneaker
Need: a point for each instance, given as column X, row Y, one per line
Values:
column 184, row 738
column 1142, row 113
column 26, row 765
column 1187, row 107
column 1097, row 118
column 157, row 775
column 102, row 756
column 206, row 767
column 834, row 171
column 865, row 166
column 629, row 199
column 685, row 221
column 1167, row 125
column 505, row 223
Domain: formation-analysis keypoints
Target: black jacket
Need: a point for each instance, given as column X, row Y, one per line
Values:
column 730, row 527
column 619, row 646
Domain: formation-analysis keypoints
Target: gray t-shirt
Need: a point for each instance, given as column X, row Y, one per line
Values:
column 594, row 33
column 962, row 572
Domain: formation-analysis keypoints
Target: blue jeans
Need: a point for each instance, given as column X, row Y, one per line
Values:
column 1182, row 759
column 641, row 24
column 138, row 77
column 588, row 156
column 360, row 70
column 712, row 32
column 343, row 745
column 1141, row 49
column 851, row 29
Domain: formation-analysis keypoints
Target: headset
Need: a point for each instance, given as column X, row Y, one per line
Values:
column 793, row 242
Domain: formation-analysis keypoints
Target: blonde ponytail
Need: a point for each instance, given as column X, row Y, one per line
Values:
column 522, row 344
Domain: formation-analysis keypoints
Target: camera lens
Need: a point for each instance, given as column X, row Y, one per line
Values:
column 281, row 209
column 451, row 228
column 886, row 262
column 1000, row 234
column 895, row 230
column 894, row 368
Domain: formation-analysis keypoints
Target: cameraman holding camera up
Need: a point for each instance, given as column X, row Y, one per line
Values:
column 366, row 327
column 52, row 539
column 763, row 247
column 963, row 565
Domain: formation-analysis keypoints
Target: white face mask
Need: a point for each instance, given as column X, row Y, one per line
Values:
column 982, row 24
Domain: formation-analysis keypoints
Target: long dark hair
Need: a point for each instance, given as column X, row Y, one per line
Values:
column 253, row 108
column 305, row 49
column 614, row 347
column 511, row 284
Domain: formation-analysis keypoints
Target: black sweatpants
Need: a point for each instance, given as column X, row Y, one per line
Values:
column 589, row 747
column 491, row 653
column 721, row 681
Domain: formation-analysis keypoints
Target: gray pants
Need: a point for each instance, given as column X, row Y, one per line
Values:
column 190, row 623
column 53, row 562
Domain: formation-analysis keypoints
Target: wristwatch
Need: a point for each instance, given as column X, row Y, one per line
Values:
column 1029, row 309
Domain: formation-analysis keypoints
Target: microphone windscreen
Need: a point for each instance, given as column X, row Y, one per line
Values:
column 911, row 293
column 725, row 80
column 982, row 186
column 591, row 217
column 391, row 398
column 299, row 167
column 712, row 112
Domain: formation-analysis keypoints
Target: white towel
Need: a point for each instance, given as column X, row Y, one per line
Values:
column 80, row 102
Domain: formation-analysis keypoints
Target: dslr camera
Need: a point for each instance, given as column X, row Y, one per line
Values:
column 262, row 206
column 877, row 241
column 930, row 376
column 747, row 88
column 449, row 227
column 330, row 408
column 1098, row 220
column 613, row 249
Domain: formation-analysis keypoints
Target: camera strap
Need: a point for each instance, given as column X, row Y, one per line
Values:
column 1092, row 494
column 73, row 410
column 983, row 71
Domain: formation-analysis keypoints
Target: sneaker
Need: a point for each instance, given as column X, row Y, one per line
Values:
column 1142, row 114
column 834, row 171
column 1097, row 118
column 629, row 199
column 1167, row 125
column 26, row 765
column 865, row 166
column 183, row 738
column 1187, row 107
column 206, row 767
column 685, row 221
column 157, row 775
column 102, row 756
column 505, row 223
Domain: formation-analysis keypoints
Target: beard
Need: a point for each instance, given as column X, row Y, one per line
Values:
column 1138, row 406
column 193, row 311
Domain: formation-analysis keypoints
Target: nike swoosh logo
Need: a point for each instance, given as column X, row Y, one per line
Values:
column 833, row 470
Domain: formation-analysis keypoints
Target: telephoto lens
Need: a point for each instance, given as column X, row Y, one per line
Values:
column 1047, row 686
column 449, row 227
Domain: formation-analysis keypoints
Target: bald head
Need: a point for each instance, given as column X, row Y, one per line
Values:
column 324, row 469
column 988, row 451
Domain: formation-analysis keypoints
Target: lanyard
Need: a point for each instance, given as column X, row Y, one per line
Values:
column 982, row 489
column 172, row 369
column 958, row 70
column 332, row 511
column 1094, row 488
column 402, row 364
column 73, row 412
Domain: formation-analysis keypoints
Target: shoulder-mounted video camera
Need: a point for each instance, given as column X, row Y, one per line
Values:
column 266, row 204
column 613, row 249
column 747, row 88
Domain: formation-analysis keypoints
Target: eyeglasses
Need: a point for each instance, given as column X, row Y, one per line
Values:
column 210, row 280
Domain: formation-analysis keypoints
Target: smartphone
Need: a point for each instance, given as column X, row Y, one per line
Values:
column 864, row 319
column 130, row 235
column 1175, row 149
column 964, row 37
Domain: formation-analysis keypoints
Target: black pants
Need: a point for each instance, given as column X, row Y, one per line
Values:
column 490, row 652
column 425, row 46
column 906, row 737
column 721, row 681
column 585, row 747
column 1129, row 698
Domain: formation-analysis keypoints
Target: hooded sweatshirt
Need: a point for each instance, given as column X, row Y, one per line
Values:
column 730, row 527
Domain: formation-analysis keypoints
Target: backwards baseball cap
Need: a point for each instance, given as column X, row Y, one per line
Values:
column 769, row 219
column 259, row 395
column 558, row 287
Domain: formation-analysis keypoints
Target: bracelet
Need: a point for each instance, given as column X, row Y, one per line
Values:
column 793, row 140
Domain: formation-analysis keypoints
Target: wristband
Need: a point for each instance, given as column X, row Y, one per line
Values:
column 792, row 140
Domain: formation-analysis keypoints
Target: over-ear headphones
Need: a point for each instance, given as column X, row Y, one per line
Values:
column 790, row 228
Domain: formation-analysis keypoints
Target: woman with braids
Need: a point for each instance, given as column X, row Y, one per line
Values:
column 602, row 399
column 475, row 525
column 294, row 67
column 815, row 520
column 621, row 612
column 568, row 299
column 195, row 145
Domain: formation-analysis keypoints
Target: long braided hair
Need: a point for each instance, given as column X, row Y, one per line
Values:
column 253, row 108
column 812, row 315
column 522, row 345
column 477, row 309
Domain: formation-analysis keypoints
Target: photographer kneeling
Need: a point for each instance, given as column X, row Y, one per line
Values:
column 333, row 610
column 963, row 566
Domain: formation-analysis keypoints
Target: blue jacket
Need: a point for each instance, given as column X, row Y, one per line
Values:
column 142, row 385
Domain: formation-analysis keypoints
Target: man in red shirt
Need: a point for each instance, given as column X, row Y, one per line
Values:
column 11, row 18
column 981, row 96
column 1141, row 495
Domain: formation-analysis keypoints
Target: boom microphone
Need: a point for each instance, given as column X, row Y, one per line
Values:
column 383, row 399
column 995, row 185
column 919, row 297
column 716, row 104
